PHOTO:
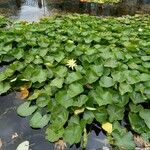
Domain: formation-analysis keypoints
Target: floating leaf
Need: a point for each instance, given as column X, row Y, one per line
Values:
column 64, row 99
column 53, row 134
column 39, row 121
column 145, row 114
column 57, row 82
column 107, row 127
column 115, row 112
column 23, row 146
column 4, row 87
column 106, row 81
column 124, row 88
column 125, row 141
column 137, row 123
column 73, row 134
column 72, row 77
column 25, row 109
column 75, row 89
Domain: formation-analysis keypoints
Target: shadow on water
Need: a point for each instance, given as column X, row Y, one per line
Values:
column 11, row 124
column 32, row 10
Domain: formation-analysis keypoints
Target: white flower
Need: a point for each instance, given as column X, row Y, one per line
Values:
column 140, row 30
column 71, row 63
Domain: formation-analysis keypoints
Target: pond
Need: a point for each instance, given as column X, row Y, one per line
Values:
column 32, row 10
column 12, row 125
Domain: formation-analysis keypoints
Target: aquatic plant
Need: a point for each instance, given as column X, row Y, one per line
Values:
column 77, row 69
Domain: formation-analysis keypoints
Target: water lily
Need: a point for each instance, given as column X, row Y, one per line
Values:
column 71, row 63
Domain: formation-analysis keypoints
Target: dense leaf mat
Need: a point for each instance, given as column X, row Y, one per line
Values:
column 80, row 69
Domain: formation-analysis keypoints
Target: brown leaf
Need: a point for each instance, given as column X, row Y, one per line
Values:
column 15, row 135
column 140, row 142
column 147, row 144
column 24, row 93
column 1, row 144
column 60, row 145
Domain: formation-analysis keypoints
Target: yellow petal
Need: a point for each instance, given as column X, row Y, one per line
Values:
column 107, row 127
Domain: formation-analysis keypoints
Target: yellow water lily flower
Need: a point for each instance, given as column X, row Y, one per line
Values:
column 71, row 63
column 107, row 127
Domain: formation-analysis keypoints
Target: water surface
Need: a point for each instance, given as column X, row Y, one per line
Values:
column 33, row 10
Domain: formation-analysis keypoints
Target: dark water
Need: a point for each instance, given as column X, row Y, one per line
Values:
column 11, row 124
column 32, row 10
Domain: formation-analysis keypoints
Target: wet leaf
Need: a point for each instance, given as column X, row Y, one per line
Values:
column 106, row 81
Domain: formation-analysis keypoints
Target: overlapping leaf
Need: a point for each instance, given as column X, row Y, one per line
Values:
column 110, row 81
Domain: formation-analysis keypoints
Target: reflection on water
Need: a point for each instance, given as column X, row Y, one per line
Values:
column 32, row 10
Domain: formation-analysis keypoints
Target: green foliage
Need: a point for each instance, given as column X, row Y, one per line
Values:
column 25, row 109
column 39, row 121
column 110, row 82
